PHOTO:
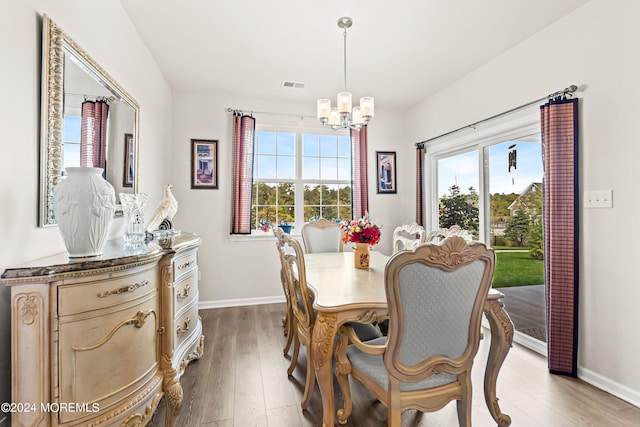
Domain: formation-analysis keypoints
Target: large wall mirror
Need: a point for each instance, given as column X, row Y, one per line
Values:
column 72, row 85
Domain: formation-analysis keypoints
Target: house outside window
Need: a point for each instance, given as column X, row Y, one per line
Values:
column 300, row 176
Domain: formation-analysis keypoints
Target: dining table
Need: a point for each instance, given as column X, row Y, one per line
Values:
column 343, row 293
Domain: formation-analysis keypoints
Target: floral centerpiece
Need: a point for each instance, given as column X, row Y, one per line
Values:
column 364, row 233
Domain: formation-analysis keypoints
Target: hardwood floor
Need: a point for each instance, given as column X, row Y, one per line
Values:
column 241, row 381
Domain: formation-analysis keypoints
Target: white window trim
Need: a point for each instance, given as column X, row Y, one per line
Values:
column 298, row 181
column 512, row 126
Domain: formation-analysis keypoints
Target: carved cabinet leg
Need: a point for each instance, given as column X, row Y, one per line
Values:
column 173, row 395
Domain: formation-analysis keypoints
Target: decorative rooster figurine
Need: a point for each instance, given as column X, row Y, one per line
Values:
column 166, row 210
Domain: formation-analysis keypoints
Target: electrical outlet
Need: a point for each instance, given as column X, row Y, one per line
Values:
column 598, row 199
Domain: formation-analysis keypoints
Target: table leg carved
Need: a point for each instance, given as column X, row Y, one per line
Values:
column 501, row 342
column 343, row 369
column 324, row 333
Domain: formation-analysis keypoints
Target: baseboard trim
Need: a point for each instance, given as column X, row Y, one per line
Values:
column 531, row 343
column 612, row 387
column 524, row 340
column 239, row 302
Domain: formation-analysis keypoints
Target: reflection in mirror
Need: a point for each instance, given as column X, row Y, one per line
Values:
column 80, row 98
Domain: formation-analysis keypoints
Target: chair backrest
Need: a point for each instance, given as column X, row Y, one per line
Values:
column 279, row 233
column 408, row 236
column 295, row 276
column 455, row 230
column 322, row 236
column 436, row 295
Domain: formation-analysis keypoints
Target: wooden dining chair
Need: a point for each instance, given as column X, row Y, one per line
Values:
column 303, row 316
column 408, row 236
column 287, row 319
column 442, row 233
column 322, row 236
column 435, row 295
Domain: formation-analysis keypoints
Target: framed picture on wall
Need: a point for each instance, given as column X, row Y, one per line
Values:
column 386, row 172
column 129, row 160
column 204, row 164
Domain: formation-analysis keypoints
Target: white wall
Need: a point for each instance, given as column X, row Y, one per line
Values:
column 241, row 272
column 595, row 48
column 117, row 52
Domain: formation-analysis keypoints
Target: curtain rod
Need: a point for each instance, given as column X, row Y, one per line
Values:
column 569, row 90
column 251, row 112
column 86, row 95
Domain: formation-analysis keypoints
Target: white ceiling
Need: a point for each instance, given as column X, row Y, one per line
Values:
column 398, row 51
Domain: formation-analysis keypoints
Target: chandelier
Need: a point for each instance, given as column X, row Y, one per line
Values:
column 343, row 116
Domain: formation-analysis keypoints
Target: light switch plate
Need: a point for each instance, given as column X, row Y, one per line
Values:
column 598, row 198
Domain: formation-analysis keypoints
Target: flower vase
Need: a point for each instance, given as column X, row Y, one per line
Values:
column 83, row 205
column 133, row 207
column 286, row 228
column 362, row 255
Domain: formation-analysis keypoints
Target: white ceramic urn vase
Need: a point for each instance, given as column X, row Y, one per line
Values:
column 83, row 205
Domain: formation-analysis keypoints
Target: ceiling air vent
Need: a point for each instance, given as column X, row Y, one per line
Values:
column 294, row 85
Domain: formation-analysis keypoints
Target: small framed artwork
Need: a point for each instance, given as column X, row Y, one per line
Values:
column 129, row 160
column 204, row 164
column 386, row 172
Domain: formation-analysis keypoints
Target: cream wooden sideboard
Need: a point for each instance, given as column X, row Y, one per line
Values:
column 99, row 341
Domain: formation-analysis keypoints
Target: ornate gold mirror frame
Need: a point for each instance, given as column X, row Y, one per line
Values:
column 56, row 46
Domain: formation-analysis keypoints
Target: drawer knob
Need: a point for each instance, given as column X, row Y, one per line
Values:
column 180, row 330
column 139, row 318
column 186, row 264
column 128, row 288
column 182, row 295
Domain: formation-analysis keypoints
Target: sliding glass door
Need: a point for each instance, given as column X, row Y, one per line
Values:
column 491, row 186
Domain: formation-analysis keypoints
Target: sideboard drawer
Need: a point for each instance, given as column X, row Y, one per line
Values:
column 185, row 324
column 88, row 296
column 184, row 264
column 185, row 291
column 91, row 347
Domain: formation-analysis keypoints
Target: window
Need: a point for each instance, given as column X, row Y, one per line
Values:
column 71, row 143
column 473, row 181
column 300, row 176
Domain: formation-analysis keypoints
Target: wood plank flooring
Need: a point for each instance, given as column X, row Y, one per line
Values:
column 241, row 381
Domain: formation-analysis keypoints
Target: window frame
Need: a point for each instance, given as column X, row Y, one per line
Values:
column 298, row 181
column 510, row 126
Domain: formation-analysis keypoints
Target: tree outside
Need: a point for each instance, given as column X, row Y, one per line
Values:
column 523, row 229
column 274, row 203
column 330, row 201
column 460, row 209
column 517, row 229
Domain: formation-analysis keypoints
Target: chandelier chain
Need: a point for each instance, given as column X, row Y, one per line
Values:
column 345, row 59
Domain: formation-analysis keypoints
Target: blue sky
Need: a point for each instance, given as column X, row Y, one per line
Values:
column 463, row 169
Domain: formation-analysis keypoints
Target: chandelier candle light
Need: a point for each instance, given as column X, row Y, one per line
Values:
column 344, row 116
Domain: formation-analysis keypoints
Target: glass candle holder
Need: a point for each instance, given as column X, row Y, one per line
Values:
column 133, row 207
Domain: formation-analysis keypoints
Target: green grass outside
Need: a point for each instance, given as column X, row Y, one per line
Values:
column 510, row 248
column 517, row 269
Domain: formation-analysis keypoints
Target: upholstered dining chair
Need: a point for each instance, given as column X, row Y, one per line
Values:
column 302, row 313
column 408, row 236
column 322, row 236
column 435, row 295
column 287, row 319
